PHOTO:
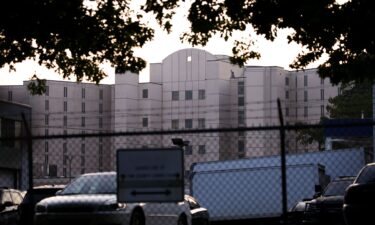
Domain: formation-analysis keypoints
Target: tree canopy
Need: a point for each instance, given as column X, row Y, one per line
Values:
column 75, row 39
column 72, row 37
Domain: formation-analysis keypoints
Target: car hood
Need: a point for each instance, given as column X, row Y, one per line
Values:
column 72, row 201
column 330, row 200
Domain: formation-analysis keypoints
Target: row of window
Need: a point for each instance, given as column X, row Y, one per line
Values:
column 65, row 106
column 65, row 121
column 176, row 94
column 189, row 150
column 83, row 92
column 305, row 95
column 306, row 111
column 175, row 123
column 305, row 81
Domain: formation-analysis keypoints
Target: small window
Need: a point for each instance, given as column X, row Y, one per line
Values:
column 241, row 101
column 175, row 124
column 201, row 123
column 46, row 120
column 306, row 112
column 65, row 148
column 241, row 117
column 305, row 96
column 46, row 105
column 145, row 93
column 175, row 96
column 305, row 81
column 101, row 94
column 286, row 94
column 322, row 111
column 65, row 160
column 201, row 94
column 188, row 150
column 83, row 160
column 10, row 96
column 188, row 59
column 287, row 81
column 65, row 92
column 83, row 93
column 83, row 149
column 83, row 107
column 65, row 106
column 241, row 146
column 188, row 123
column 100, row 122
column 188, row 95
column 46, row 147
column 241, row 88
column 83, row 121
column 144, row 122
column 202, row 149
column 100, row 108
column 47, row 91
column 65, row 119
column 321, row 94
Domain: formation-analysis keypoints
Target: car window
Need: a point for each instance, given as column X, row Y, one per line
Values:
column 337, row 188
column 92, row 184
column 5, row 197
column 367, row 175
column 17, row 197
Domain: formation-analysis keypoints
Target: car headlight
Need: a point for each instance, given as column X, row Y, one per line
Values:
column 40, row 208
column 112, row 207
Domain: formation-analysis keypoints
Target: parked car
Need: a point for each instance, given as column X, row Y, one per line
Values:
column 326, row 208
column 33, row 196
column 359, row 201
column 199, row 215
column 91, row 199
column 9, row 201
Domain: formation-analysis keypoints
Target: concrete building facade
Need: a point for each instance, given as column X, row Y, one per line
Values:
column 190, row 89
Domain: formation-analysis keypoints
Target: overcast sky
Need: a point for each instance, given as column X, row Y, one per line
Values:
column 277, row 53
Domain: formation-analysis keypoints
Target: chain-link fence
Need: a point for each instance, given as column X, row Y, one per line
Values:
column 235, row 173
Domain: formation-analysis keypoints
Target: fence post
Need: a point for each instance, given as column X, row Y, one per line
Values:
column 283, row 165
column 29, row 151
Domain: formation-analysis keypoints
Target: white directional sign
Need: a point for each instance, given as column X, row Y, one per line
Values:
column 150, row 175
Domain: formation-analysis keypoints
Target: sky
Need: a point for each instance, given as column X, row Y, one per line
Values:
column 276, row 53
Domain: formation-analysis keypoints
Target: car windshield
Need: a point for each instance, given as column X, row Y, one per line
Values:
column 367, row 175
column 92, row 184
column 337, row 188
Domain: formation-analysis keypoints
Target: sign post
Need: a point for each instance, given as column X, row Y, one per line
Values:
column 150, row 175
